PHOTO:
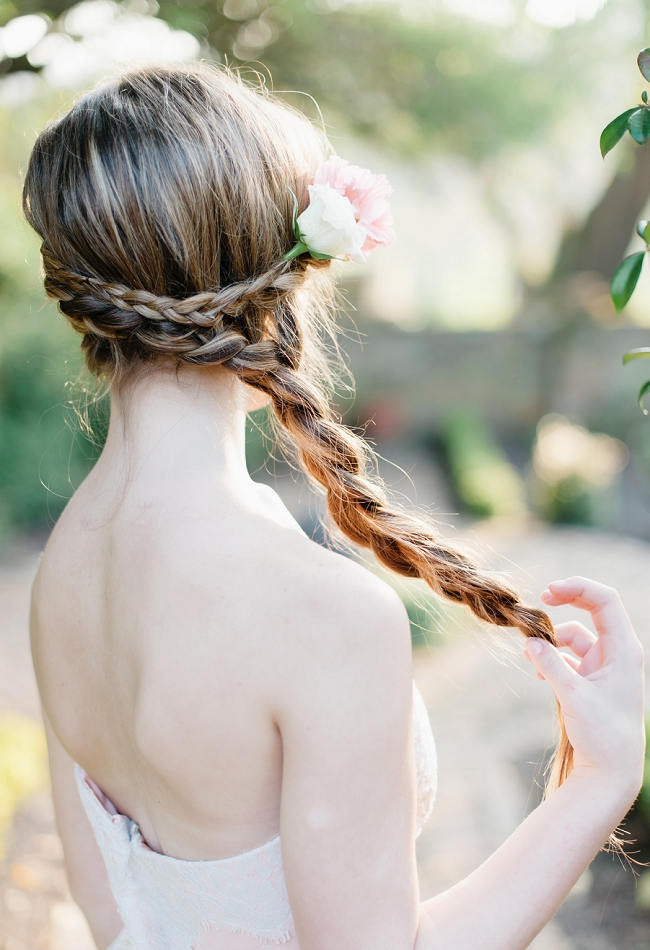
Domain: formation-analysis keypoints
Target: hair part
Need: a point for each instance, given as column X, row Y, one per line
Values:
column 164, row 203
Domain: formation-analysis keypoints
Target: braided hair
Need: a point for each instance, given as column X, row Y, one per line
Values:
column 163, row 201
column 206, row 327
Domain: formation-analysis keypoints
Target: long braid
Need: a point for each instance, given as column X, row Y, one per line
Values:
column 339, row 460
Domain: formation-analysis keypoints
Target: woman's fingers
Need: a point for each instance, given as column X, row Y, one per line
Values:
column 575, row 635
column 571, row 660
column 553, row 664
column 605, row 606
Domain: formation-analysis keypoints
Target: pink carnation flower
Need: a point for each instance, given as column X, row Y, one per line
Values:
column 367, row 193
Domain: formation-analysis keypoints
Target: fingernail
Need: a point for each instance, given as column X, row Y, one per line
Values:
column 534, row 645
column 545, row 593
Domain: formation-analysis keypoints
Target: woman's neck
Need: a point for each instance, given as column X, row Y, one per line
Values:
column 180, row 429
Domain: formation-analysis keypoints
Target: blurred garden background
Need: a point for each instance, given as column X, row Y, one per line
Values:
column 486, row 351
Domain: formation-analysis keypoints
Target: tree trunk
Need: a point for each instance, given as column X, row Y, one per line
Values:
column 599, row 244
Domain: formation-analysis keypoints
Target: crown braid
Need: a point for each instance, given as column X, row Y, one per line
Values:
column 207, row 327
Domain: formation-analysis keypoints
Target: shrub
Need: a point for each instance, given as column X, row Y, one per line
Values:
column 484, row 480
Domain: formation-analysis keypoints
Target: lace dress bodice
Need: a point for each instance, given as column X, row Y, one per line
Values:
column 233, row 903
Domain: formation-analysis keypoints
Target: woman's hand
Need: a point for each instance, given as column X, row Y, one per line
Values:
column 600, row 686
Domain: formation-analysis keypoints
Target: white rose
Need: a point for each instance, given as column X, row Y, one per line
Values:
column 328, row 225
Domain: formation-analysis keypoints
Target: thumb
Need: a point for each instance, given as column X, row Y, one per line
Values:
column 548, row 660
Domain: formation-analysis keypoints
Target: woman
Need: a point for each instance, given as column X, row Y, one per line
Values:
column 213, row 682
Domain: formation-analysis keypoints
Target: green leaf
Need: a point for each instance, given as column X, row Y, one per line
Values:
column 643, row 61
column 643, row 230
column 613, row 132
column 644, row 96
column 639, row 125
column 644, row 389
column 625, row 279
column 641, row 353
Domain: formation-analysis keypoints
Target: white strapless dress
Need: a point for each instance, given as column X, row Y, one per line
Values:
column 233, row 903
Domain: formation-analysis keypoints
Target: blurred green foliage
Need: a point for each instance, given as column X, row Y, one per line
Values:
column 571, row 500
column 409, row 78
column 484, row 480
column 44, row 453
column 426, row 617
column 260, row 444
column 575, row 472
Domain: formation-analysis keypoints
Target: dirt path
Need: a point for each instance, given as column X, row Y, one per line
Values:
column 492, row 719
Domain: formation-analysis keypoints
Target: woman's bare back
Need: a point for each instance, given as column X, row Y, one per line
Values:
column 160, row 635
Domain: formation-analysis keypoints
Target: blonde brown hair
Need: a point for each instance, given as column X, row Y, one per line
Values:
column 163, row 199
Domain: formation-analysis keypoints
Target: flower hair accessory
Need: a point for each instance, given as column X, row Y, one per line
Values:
column 347, row 215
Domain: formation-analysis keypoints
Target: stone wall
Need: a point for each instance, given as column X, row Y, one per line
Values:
column 512, row 377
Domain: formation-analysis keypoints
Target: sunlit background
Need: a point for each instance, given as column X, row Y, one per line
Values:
column 486, row 351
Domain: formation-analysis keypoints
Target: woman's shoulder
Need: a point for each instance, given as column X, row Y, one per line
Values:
column 329, row 588
column 347, row 591
column 276, row 557
column 350, row 656
column 347, row 622
column 300, row 604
